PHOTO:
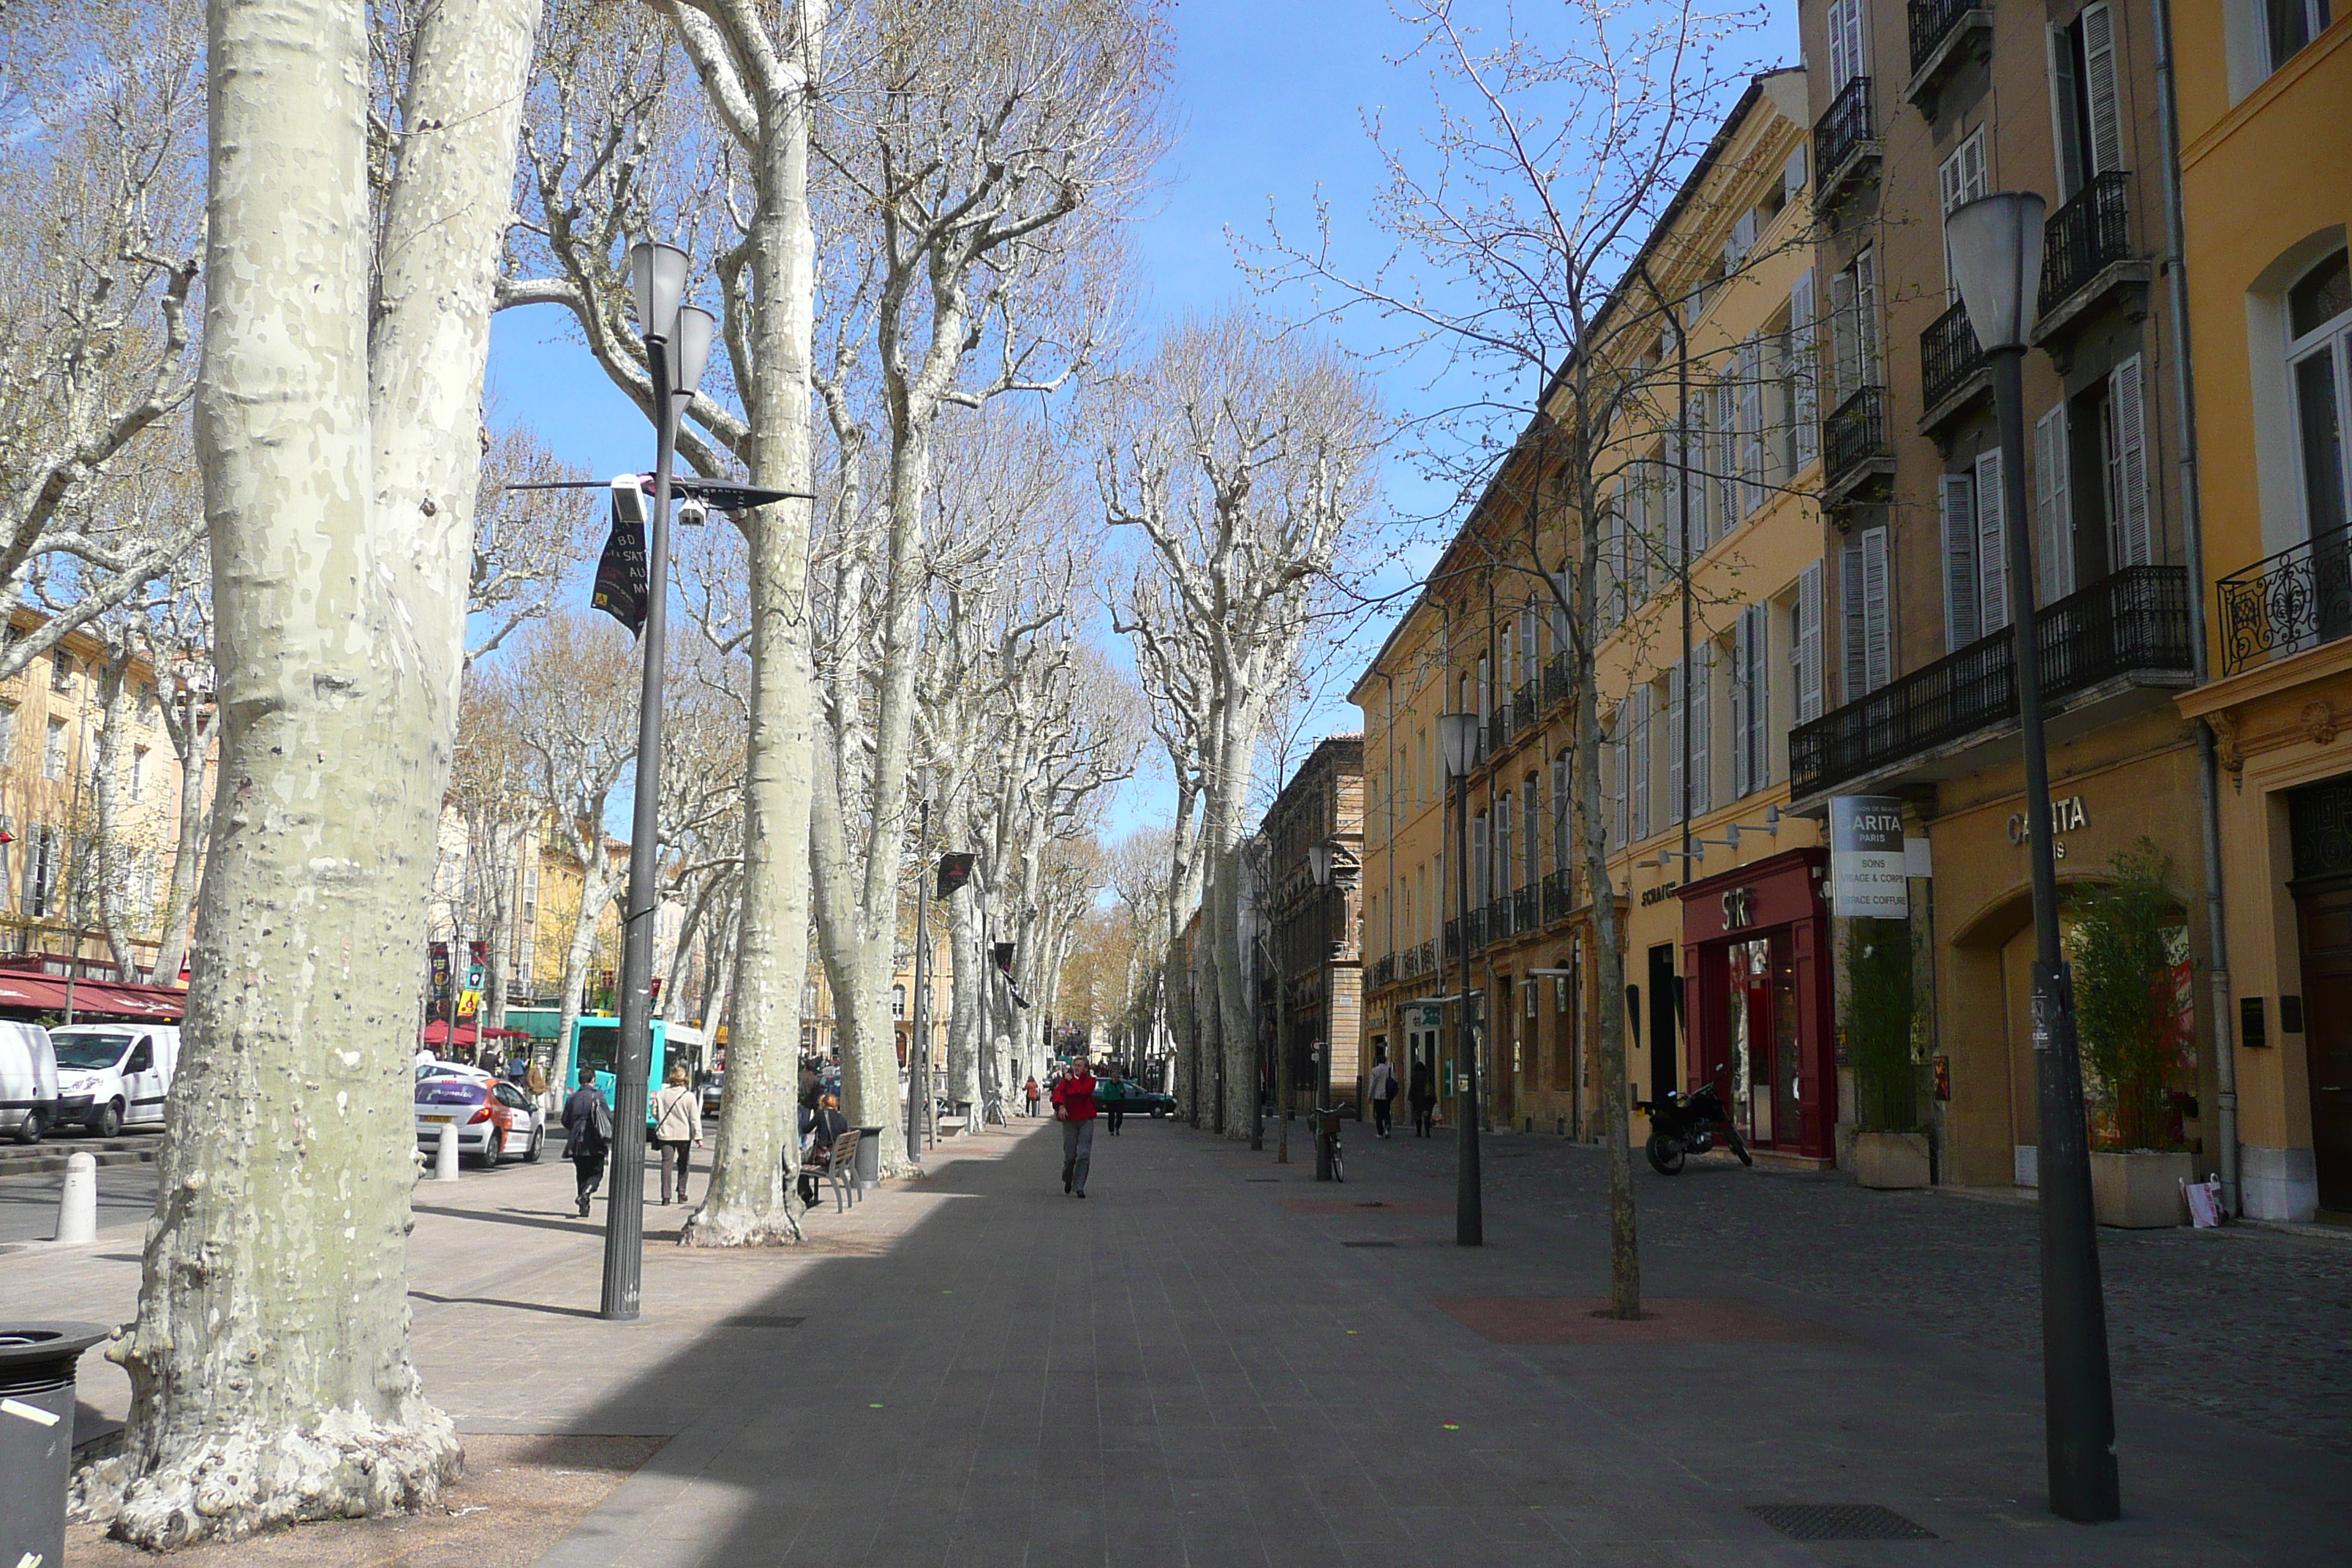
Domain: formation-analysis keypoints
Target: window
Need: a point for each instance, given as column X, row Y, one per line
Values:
column 2104, row 509
column 2289, row 25
column 1645, row 699
column 1726, row 454
column 1792, row 176
column 1962, row 178
column 1562, row 854
column 2085, row 112
column 1855, row 359
column 1752, row 425
column 7, row 832
column 1805, row 644
column 898, row 1001
column 139, row 772
column 1801, row 391
column 2319, row 363
column 1751, row 701
column 61, row 669
column 1481, row 861
column 7, row 732
column 1531, row 854
column 1612, row 562
column 1976, row 553
column 1616, row 752
column 2053, row 518
column 53, row 750
column 1869, row 647
column 1702, row 729
column 1849, row 43
column 1528, row 665
column 41, row 870
column 1504, row 866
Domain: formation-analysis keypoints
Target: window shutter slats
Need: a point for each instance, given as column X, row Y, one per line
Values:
column 1741, row 654
column 2135, row 533
column 2053, row 519
column 1857, row 667
column 1808, row 411
column 1993, row 543
column 1807, row 647
column 1675, row 700
column 1963, row 617
column 2099, row 74
column 1878, row 639
column 1702, row 729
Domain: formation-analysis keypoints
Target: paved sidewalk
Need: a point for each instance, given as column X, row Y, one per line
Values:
column 1214, row 1361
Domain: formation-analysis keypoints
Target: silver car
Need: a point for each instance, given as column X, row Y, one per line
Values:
column 494, row 1119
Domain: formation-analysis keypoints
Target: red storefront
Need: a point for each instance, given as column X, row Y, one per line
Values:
column 1758, row 1006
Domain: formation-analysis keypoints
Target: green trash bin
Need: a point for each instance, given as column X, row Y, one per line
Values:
column 38, row 1362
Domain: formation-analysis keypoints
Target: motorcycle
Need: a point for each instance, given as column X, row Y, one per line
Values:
column 1682, row 1125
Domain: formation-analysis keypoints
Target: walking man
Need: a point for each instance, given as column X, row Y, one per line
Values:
column 677, row 1130
column 1385, row 1088
column 1073, row 1107
column 1110, row 1094
column 587, row 1138
column 1423, row 1096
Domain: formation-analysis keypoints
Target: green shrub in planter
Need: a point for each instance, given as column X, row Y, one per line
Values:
column 2127, row 1011
column 1880, row 1003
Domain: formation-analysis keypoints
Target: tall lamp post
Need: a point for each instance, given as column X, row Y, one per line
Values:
column 919, row 1042
column 1996, row 247
column 677, row 341
column 1319, row 864
column 1457, row 735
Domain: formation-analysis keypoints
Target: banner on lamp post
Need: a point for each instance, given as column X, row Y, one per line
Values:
column 1869, row 869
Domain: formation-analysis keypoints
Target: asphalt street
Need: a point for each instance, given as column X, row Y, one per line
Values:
column 28, row 1203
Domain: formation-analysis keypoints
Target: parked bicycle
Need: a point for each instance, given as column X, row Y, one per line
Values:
column 1326, row 1126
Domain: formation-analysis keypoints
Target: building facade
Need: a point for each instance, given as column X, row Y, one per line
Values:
column 2266, row 176
column 1313, row 929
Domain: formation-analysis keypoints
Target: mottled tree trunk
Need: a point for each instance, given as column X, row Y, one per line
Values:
column 270, row 1366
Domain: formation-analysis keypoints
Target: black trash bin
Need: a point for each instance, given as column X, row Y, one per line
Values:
column 36, row 1434
column 865, row 1169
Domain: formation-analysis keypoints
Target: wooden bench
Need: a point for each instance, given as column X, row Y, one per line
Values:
column 838, row 1168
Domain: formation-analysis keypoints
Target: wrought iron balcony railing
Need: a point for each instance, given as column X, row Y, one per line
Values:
column 1425, row 958
column 1854, row 434
column 1555, row 680
column 2084, row 237
column 1498, row 917
column 2133, row 623
column 1527, row 909
column 1949, row 354
column 1498, row 729
column 1931, row 22
column 1527, row 703
column 1453, row 937
column 1384, row 970
column 2286, row 603
column 1558, row 896
column 1842, row 137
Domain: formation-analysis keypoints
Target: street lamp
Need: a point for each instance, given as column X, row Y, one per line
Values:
column 678, row 342
column 1996, row 248
column 1457, row 735
column 1318, row 865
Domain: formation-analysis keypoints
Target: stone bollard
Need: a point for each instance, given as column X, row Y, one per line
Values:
column 445, row 1154
column 78, row 1201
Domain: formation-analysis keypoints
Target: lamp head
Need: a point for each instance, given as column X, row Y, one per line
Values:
column 1996, row 248
column 1319, row 860
column 690, row 350
column 1458, row 736
column 657, row 278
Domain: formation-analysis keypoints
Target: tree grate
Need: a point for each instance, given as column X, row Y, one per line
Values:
column 1839, row 1522
column 756, row 1321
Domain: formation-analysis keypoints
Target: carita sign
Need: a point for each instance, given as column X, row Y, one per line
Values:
column 1868, row 874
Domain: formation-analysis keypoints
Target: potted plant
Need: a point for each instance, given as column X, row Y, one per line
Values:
column 2129, row 1014
column 1890, row 1151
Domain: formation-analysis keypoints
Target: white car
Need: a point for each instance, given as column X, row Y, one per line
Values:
column 112, row 1076
column 29, row 1080
column 495, row 1120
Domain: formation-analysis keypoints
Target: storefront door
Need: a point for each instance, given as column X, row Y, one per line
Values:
column 1763, row 1074
column 2326, row 922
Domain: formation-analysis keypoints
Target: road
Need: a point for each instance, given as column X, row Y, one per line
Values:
column 28, row 1202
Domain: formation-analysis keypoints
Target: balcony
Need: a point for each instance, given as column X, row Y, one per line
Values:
column 1498, row 730
column 1953, row 370
column 1945, row 35
column 1527, row 705
column 2286, row 603
column 1500, row 919
column 1845, row 145
column 1558, row 896
column 2130, row 628
column 1527, row 909
column 1853, row 443
column 1555, row 680
column 1384, row 972
column 2086, row 258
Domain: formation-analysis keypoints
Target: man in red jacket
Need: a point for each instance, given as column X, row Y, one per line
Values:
column 1073, row 1107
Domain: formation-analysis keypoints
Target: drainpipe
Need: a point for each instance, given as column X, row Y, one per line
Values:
column 2193, row 528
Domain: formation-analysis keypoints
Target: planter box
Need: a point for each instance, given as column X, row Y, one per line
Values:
column 2139, row 1191
column 1890, row 1161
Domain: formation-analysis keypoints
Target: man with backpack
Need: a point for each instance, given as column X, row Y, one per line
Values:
column 587, row 1138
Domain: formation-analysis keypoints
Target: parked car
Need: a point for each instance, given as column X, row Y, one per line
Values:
column 713, row 1089
column 112, row 1076
column 1141, row 1101
column 28, row 1081
column 494, row 1119
column 439, row 1068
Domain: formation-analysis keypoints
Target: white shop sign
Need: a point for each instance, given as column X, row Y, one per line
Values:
column 1869, row 867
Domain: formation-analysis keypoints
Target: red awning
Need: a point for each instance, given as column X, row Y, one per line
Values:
column 436, row 1033
column 151, row 1003
column 21, row 990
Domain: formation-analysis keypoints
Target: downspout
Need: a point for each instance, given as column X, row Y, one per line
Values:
column 2192, row 529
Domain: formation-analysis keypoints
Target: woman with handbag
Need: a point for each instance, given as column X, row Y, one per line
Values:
column 677, row 1130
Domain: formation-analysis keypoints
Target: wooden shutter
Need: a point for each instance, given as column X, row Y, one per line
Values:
column 1845, row 353
column 1560, row 856
column 1993, row 543
column 1643, row 803
column 2135, row 539
column 1618, row 785
column 2099, row 88
column 1676, row 695
column 1727, row 453
column 1806, row 646
column 2053, row 514
column 1637, row 538
column 1792, row 176
column 2066, row 137
column 1757, row 741
column 1702, row 728
column 1806, row 411
column 1752, row 425
column 1849, row 599
column 1963, row 616
column 1866, row 317
column 1877, row 624
column 1613, row 560
column 1742, row 654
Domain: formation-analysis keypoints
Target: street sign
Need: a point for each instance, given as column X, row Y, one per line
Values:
column 955, row 871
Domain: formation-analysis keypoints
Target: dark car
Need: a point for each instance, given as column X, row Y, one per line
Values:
column 1137, row 1100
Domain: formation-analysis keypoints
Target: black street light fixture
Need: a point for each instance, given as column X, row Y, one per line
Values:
column 1996, row 250
column 1318, row 865
column 678, row 342
column 1457, row 735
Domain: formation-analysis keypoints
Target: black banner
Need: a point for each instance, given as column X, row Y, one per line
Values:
column 620, row 590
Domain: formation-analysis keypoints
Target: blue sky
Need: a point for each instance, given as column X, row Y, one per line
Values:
column 1271, row 98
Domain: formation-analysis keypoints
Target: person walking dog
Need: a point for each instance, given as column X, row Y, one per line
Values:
column 1384, row 1089
column 678, row 1130
column 587, row 1138
column 1073, row 1107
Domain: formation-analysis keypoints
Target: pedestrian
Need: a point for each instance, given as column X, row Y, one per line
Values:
column 1073, row 1107
column 536, row 1078
column 1423, row 1097
column 820, row 1125
column 677, row 1130
column 587, row 1139
column 1031, row 1091
column 1110, row 1094
column 1385, row 1088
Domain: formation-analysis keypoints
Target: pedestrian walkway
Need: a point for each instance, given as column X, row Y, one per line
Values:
column 1216, row 1360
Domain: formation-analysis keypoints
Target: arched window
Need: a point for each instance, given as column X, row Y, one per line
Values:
column 2319, row 364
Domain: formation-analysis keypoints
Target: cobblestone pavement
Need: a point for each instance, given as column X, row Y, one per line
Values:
column 2244, row 1323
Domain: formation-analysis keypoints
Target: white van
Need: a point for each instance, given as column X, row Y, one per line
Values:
column 112, row 1076
column 28, row 1081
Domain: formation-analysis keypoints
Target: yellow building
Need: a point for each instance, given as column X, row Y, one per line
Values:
column 2266, row 175
column 52, row 720
column 1712, row 553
